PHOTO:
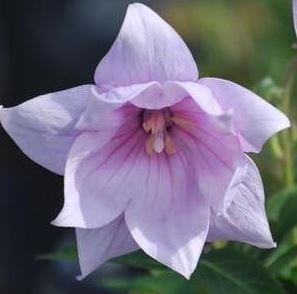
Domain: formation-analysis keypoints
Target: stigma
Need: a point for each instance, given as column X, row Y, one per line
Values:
column 157, row 124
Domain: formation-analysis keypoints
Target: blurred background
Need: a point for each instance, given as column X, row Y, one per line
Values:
column 46, row 46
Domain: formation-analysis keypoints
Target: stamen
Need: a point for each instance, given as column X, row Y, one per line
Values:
column 154, row 122
column 149, row 145
column 158, row 124
column 182, row 122
column 169, row 145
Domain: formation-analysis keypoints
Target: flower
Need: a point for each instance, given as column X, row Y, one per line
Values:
column 153, row 157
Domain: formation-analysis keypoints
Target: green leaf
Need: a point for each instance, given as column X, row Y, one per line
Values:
column 284, row 261
column 230, row 272
column 224, row 271
column 65, row 253
column 276, row 203
column 164, row 283
column 286, row 244
column 287, row 219
column 139, row 260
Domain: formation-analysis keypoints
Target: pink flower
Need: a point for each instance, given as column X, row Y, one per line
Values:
column 153, row 157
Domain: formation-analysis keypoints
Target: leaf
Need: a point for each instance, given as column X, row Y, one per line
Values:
column 284, row 261
column 287, row 219
column 163, row 283
column 224, row 271
column 230, row 272
column 277, row 201
column 139, row 260
column 282, row 248
column 66, row 253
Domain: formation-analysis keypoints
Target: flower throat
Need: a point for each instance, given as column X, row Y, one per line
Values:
column 158, row 124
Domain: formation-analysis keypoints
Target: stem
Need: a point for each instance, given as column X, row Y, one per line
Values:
column 287, row 135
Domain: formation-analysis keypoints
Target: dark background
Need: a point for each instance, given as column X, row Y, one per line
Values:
column 47, row 46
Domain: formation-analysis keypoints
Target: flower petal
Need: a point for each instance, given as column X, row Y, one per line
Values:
column 147, row 49
column 200, row 94
column 255, row 119
column 214, row 147
column 169, row 220
column 96, row 246
column 244, row 218
column 154, row 95
column 130, row 93
column 106, row 111
column 101, row 178
column 44, row 127
column 173, row 92
column 151, row 95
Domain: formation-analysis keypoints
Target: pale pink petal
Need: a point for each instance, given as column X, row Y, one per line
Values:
column 145, row 91
column 200, row 94
column 169, row 219
column 105, row 111
column 174, row 92
column 255, row 119
column 215, row 148
column 44, row 127
column 147, row 49
column 244, row 218
column 96, row 246
column 100, row 178
column 295, row 14
column 163, row 97
column 151, row 95
column 171, row 93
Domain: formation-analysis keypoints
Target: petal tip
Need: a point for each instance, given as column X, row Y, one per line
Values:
column 284, row 124
column 55, row 223
column 267, row 245
column 61, row 221
column 80, row 278
column 187, row 275
column 287, row 122
column 138, row 4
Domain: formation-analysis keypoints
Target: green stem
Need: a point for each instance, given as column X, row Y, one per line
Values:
column 287, row 135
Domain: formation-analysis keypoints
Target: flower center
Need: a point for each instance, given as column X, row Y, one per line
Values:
column 157, row 124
